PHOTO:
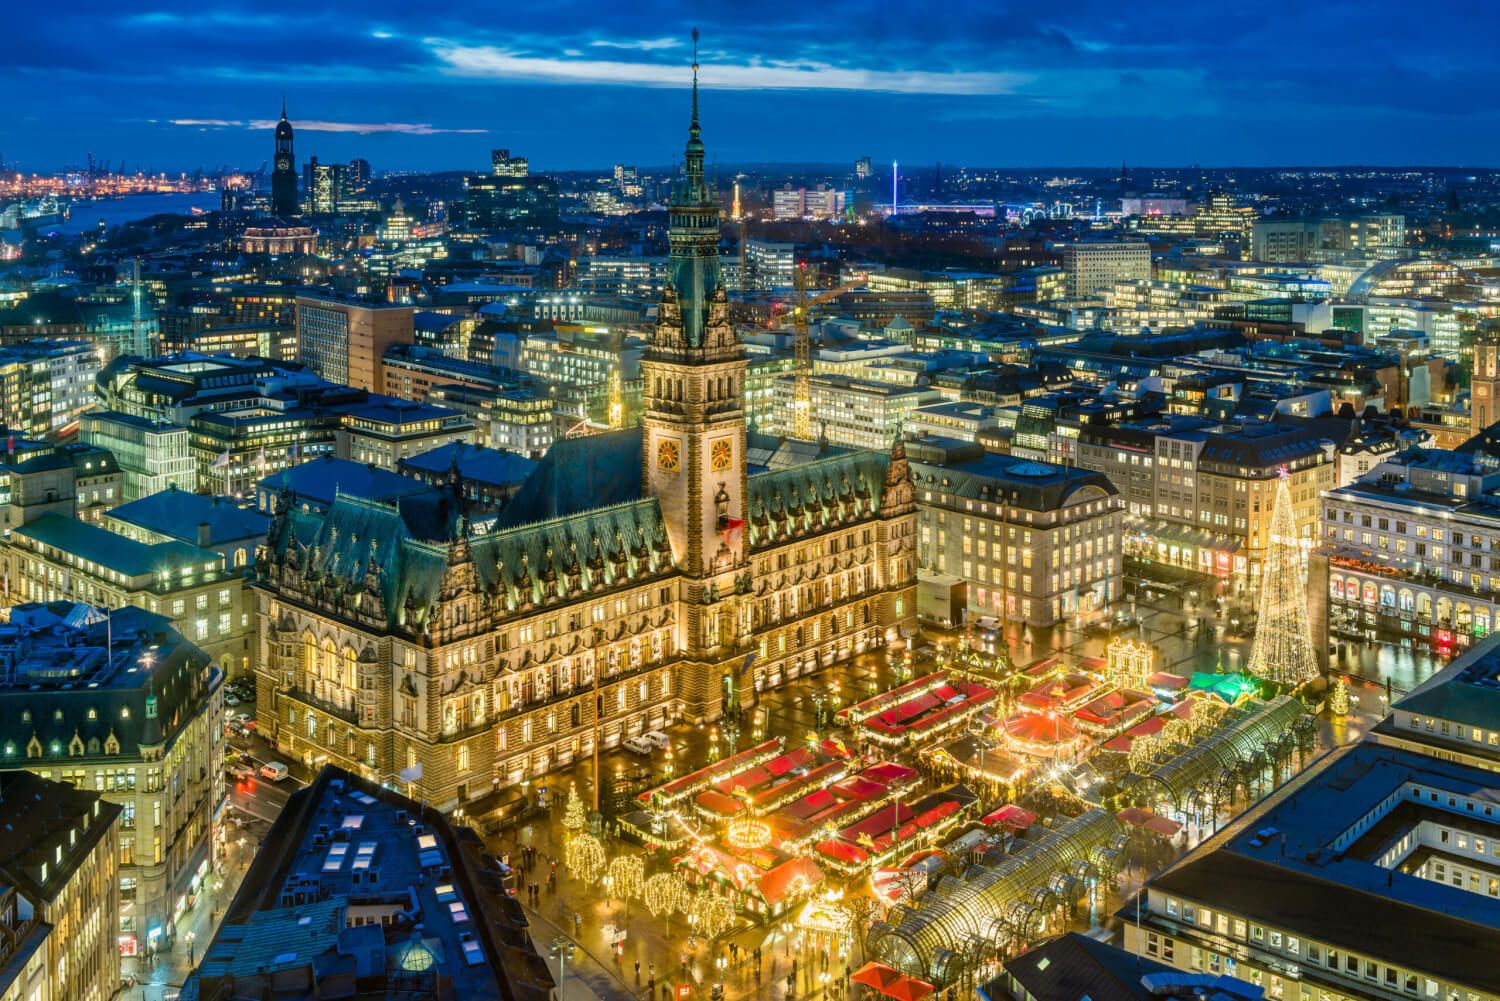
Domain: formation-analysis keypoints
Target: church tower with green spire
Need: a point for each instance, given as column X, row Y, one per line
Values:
column 693, row 430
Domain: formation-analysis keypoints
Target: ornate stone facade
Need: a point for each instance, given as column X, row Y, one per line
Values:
column 638, row 577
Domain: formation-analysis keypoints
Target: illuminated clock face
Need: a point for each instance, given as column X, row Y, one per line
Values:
column 668, row 457
column 719, row 455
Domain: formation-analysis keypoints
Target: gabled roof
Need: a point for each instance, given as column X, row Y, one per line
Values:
column 579, row 474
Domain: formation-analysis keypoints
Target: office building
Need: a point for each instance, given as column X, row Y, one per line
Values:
column 382, row 431
column 1094, row 266
column 1294, row 241
column 328, row 187
column 177, row 515
column 1413, row 548
column 502, row 164
column 151, row 455
column 771, row 263
column 46, row 385
column 509, row 202
column 73, row 481
column 1037, row 543
column 364, row 894
column 59, row 909
column 343, row 340
column 1370, row 878
column 863, row 168
column 518, row 419
column 661, row 528
column 55, row 558
column 130, row 711
column 856, row 413
column 815, row 204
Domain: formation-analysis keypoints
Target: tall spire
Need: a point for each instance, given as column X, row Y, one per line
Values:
column 693, row 156
column 283, row 105
column 693, row 129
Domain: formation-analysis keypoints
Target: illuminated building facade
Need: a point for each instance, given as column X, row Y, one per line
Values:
column 59, row 909
column 636, row 571
column 1037, row 543
column 1092, row 267
column 138, row 721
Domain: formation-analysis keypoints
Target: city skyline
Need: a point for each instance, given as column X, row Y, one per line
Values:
column 586, row 85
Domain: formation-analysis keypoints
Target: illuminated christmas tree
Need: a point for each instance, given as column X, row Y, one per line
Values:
column 1283, row 641
column 574, row 818
column 1338, row 698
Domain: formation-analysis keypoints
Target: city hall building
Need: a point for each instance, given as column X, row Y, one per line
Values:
column 639, row 577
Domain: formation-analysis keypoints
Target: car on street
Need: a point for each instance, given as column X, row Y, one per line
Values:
column 274, row 770
column 658, row 738
column 240, row 771
column 231, row 699
column 638, row 745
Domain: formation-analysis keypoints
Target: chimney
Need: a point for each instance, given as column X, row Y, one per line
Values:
column 205, row 534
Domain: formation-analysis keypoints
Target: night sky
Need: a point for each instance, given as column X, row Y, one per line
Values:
column 585, row 83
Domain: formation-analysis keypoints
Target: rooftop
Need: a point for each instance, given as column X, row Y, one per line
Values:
column 178, row 513
column 82, row 541
column 490, row 466
column 363, row 891
column 1286, row 864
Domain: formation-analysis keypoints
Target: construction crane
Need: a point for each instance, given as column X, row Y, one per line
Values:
column 802, row 422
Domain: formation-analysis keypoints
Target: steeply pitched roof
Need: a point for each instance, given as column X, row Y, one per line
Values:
column 579, row 474
column 823, row 487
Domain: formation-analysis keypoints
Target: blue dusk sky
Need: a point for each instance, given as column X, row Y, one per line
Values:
column 586, row 83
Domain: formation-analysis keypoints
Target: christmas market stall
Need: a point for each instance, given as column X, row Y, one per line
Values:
column 918, row 710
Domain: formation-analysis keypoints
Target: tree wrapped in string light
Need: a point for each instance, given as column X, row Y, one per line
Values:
column 715, row 913
column 574, row 819
column 627, row 875
column 1283, row 640
column 585, row 857
column 664, row 893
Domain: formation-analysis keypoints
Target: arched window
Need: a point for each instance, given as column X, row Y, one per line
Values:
column 239, row 557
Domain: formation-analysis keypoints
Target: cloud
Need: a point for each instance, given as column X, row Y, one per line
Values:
column 360, row 128
column 494, row 63
column 638, row 44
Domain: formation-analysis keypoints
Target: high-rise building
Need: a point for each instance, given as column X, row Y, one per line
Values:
column 510, row 202
column 502, row 164
column 863, row 168
column 328, row 186
column 627, row 181
column 1093, row 266
column 284, row 171
column 136, row 716
column 359, row 173
column 343, row 339
column 60, row 909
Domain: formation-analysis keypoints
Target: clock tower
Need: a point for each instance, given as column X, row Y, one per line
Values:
column 693, row 438
column 284, row 171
